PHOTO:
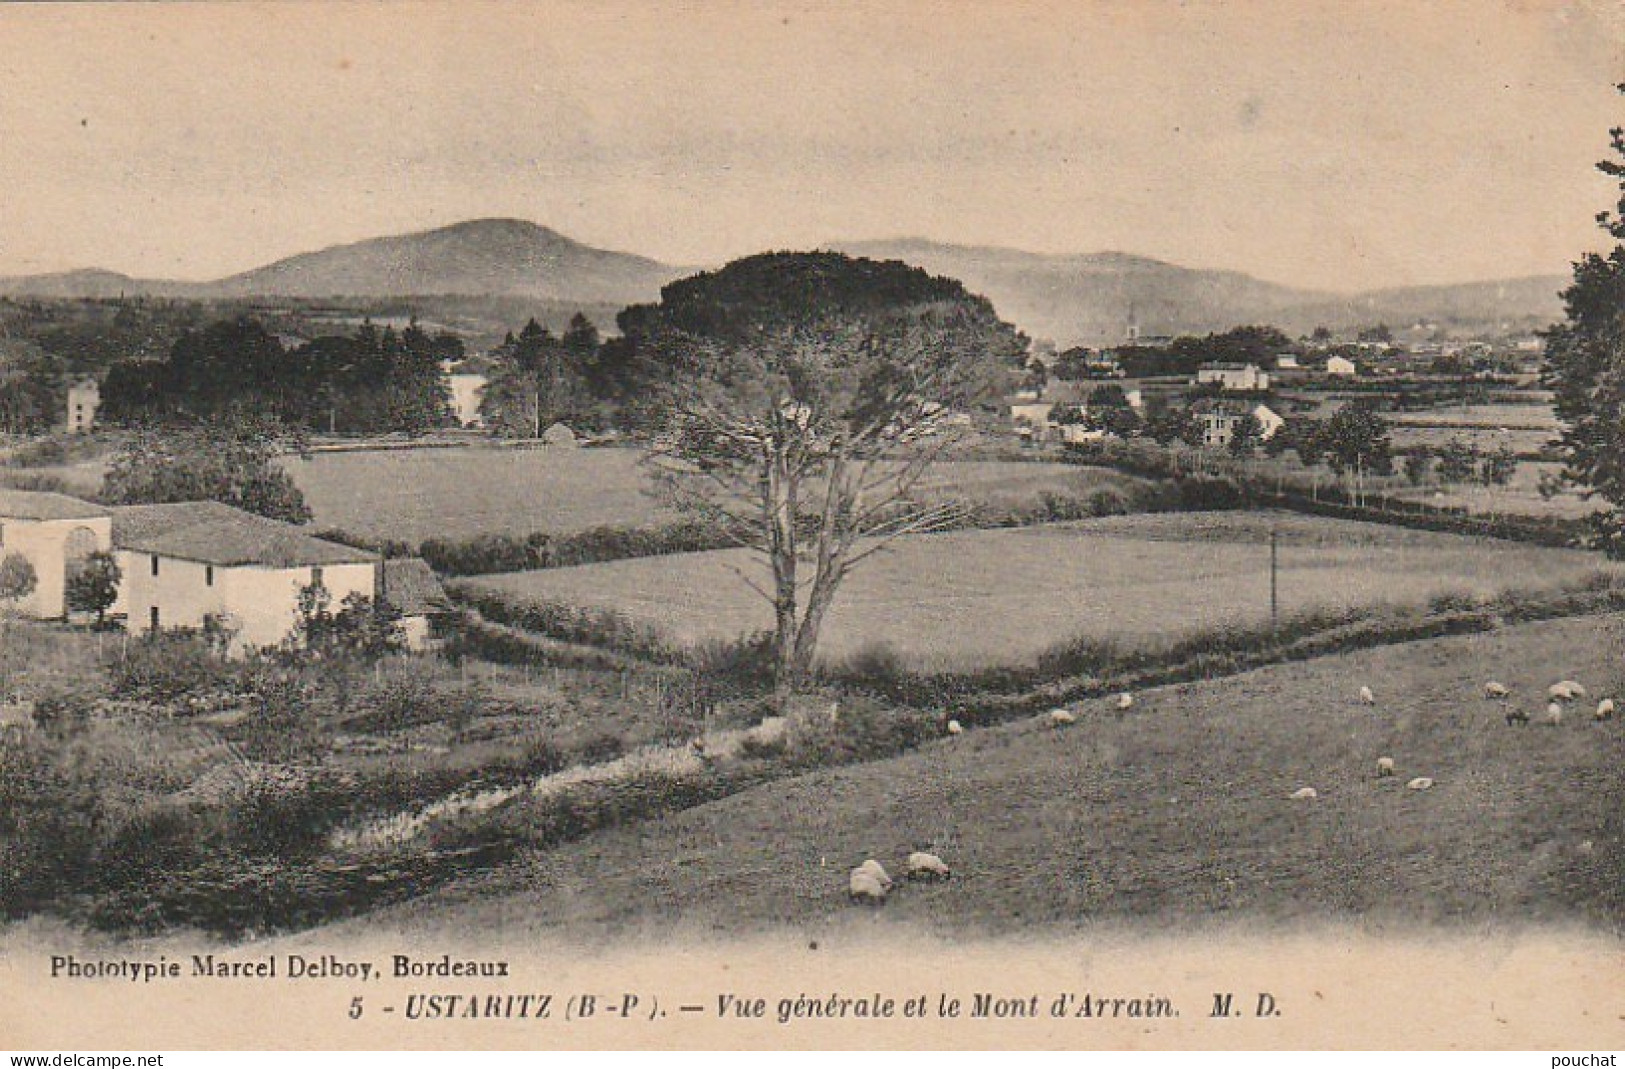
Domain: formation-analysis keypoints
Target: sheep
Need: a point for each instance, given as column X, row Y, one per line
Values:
column 1367, row 697
column 876, row 870
column 1516, row 715
column 1125, row 702
column 863, row 887
column 1497, row 691
column 1565, row 691
column 923, row 866
column 1304, row 794
column 1385, row 766
column 955, row 728
column 1420, row 783
column 1605, row 709
column 1060, row 718
column 1554, row 713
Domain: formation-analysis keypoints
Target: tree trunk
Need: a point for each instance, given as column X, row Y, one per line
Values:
column 780, row 501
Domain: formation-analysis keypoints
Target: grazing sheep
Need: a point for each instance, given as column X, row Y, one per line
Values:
column 1385, row 766
column 1516, row 715
column 876, row 870
column 955, row 728
column 863, row 887
column 1125, row 702
column 1304, row 794
column 1495, row 690
column 1565, row 691
column 1420, row 783
column 923, row 866
column 1367, row 697
column 1554, row 713
column 1605, row 709
column 1060, row 718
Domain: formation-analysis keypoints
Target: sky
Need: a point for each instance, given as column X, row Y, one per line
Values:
column 1338, row 146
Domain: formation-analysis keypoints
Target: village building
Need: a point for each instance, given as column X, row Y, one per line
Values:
column 1341, row 366
column 84, row 398
column 408, row 585
column 1219, row 418
column 54, row 533
column 466, row 387
column 1228, row 376
column 198, row 563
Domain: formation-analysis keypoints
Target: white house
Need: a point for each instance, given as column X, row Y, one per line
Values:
column 54, row 533
column 1286, row 362
column 83, row 400
column 467, row 390
column 1219, row 419
column 1341, row 366
column 184, row 564
column 1234, row 376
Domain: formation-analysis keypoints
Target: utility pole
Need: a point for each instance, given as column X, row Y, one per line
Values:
column 1275, row 601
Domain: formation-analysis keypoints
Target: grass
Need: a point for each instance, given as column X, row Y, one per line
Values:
column 417, row 494
column 976, row 599
column 1175, row 813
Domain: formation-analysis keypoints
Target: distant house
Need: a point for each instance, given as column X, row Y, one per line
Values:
column 84, row 398
column 54, row 533
column 467, row 389
column 409, row 586
column 189, row 563
column 1233, row 376
column 1341, row 366
column 1220, row 417
column 1037, row 417
column 1286, row 362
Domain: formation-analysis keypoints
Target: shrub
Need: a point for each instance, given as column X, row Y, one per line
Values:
column 166, row 665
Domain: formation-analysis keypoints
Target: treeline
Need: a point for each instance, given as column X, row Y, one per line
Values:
column 370, row 381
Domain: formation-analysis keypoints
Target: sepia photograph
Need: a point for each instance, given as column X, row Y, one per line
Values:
column 923, row 524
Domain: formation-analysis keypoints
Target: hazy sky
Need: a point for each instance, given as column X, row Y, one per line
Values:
column 1339, row 145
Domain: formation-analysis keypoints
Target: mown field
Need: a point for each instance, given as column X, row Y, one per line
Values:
column 1177, row 813
column 416, row 494
column 977, row 598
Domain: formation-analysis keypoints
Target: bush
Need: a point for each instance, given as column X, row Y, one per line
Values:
column 166, row 665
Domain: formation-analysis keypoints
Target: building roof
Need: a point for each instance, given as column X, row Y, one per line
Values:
column 1227, row 365
column 211, row 533
column 410, row 586
column 42, row 505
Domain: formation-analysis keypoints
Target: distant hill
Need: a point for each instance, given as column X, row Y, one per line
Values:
column 1072, row 299
column 485, row 257
column 1087, row 299
column 482, row 257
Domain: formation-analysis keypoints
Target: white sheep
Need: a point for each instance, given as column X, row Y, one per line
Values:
column 863, row 887
column 1605, row 709
column 1385, row 766
column 1060, row 718
column 1565, row 691
column 1495, row 690
column 955, row 728
column 1554, row 713
column 1420, row 783
column 1125, row 702
column 1304, row 794
column 923, row 866
column 876, row 870
column 1367, row 697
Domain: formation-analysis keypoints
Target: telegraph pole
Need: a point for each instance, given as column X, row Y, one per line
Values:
column 1275, row 603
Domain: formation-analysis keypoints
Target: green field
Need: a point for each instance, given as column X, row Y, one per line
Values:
column 415, row 494
column 976, row 598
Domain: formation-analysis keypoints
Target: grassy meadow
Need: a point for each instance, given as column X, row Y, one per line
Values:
column 972, row 599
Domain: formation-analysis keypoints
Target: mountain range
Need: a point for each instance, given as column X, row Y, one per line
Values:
column 1070, row 299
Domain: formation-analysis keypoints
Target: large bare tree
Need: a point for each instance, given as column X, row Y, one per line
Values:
column 805, row 397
